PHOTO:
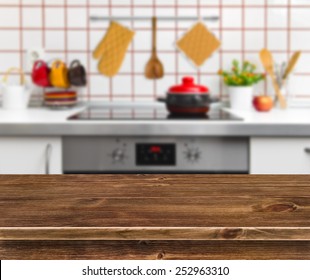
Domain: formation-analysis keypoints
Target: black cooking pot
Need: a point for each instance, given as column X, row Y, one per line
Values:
column 188, row 98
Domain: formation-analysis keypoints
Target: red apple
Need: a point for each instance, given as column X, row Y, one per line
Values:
column 263, row 103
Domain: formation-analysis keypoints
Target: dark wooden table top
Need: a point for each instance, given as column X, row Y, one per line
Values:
column 154, row 207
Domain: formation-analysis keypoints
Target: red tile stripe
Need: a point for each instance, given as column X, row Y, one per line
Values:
column 43, row 24
column 88, row 52
column 167, row 29
column 243, row 29
column 133, row 77
column 111, row 79
column 289, row 28
column 66, row 33
column 221, row 87
column 203, row 5
column 133, row 85
column 43, row 35
column 176, row 13
column 199, row 15
column 266, row 39
column 155, row 81
column 289, row 37
column 21, row 41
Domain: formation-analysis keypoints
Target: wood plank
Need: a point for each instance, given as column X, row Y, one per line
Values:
column 156, row 212
column 154, row 250
column 149, row 233
column 47, row 201
column 145, row 179
column 125, row 202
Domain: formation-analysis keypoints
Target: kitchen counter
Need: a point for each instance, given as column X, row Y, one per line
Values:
column 45, row 122
column 154, row 217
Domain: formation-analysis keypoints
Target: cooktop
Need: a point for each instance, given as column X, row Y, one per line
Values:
column 157, row 114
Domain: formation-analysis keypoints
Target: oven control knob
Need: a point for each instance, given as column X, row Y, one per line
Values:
column 192, row 155
column 118, row 155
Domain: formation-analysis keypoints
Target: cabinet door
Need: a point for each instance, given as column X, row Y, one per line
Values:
column 280, row 156
column 30, row 155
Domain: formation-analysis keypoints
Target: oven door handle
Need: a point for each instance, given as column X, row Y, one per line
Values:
column 48, row 156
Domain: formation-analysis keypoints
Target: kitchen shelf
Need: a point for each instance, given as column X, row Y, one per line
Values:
column 123, row 18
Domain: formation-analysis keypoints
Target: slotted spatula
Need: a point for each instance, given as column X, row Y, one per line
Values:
column 267, row 60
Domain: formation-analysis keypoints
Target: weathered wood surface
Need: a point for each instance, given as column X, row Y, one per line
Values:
column 155, row 250
column 152, row 233
column 154, row 207
column 154, row 217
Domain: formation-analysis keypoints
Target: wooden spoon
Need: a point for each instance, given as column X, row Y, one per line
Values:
column 154, row 68
column 291, row 65
column 267, row 60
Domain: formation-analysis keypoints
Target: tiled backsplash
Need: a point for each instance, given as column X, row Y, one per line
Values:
column 63, row 29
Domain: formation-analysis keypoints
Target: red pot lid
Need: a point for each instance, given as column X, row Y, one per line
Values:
column 188, row 86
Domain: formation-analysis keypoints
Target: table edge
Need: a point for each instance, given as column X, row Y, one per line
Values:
column 155, row 233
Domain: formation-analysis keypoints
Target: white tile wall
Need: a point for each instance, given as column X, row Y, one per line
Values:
column 63, row 29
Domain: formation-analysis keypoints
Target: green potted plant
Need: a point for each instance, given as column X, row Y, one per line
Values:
column 240, row 81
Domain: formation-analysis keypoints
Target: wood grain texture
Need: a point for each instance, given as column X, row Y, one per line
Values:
column 154, row 250
column 151, row 233
column 210, row 215
column 155, row 201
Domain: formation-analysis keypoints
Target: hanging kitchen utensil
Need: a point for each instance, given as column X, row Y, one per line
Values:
column 77, row 74
column 15, row 96
column 267, row 60
column 40, row 74
column 112, row 49
column 188, row 98
column 154, row 68
column 59, row 74
column 198, row 44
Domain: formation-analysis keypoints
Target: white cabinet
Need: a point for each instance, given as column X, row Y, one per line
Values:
column 278, row 155
column 30, row 155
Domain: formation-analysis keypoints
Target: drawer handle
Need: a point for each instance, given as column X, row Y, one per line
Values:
column 48, row 154
column 307, row 150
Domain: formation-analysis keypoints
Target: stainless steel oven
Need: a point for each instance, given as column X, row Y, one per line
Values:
column 102, row 154
column 153, row 150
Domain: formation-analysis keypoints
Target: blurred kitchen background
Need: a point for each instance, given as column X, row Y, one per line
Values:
column 63, row 29
column 116, row 124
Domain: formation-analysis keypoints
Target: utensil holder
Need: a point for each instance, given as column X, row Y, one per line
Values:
column 285, row 88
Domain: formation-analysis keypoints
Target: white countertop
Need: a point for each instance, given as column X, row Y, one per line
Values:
column 44, row 121
column 38, row 115
column 46, row 115
column 276, row 116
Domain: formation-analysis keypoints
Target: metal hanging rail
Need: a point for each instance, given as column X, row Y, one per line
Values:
column 123, row 18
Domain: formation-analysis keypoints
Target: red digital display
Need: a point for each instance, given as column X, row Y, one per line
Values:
column 155, row 149
column 156, row 154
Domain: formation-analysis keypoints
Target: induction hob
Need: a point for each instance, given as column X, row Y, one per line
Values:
column 147, row 114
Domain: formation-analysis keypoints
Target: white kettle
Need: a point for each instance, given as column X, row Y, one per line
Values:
column 15, row 97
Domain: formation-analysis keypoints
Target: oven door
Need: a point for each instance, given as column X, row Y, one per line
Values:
column 99, row 155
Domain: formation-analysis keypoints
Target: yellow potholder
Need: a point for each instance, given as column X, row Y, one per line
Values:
column 112, row 49
column 198, row 44
column 59, row 75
